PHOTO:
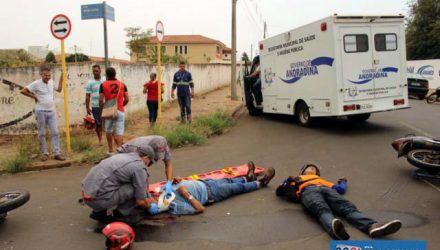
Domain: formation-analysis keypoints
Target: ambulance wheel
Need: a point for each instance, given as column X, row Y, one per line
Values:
column 359, row 118
column 303, row 114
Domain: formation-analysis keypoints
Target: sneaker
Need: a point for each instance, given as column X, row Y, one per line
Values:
column 268, row 175
column 381, row 229
column 59, row 158
column 338, row 230
column 250, row 176
column 44, row 157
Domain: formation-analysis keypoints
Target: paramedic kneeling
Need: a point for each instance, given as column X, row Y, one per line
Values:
column 118, row 184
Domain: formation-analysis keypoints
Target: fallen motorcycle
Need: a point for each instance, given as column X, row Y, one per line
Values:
column 434, row 97
column 11, row 200
column 423, row 153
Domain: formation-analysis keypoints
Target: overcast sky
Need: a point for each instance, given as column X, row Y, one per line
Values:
column 26, row 22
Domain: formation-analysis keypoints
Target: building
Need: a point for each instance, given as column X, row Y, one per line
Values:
column 194, row 49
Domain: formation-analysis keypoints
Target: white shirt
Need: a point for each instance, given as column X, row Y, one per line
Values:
column 44, row 94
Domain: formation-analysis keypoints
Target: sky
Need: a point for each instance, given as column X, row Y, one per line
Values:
column 26, row 22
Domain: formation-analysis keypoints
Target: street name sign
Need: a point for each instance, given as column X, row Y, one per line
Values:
column 96, row 11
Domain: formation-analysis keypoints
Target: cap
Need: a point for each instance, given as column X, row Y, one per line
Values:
column 148, row 151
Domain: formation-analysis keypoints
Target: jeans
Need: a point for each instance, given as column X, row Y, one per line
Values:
column 152, row 109
column 185, row 107
column 47, row 118
column 323, row 201
column 224, row 188
column 256, row 89
column 116, row 125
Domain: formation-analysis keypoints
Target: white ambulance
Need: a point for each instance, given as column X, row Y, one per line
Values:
column 339, row 66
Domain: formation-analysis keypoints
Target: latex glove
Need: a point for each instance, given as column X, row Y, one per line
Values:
column 154, row 209
column 168, row 188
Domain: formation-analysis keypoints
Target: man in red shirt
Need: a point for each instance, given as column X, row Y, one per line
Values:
column 150, row 88
column 113, row 91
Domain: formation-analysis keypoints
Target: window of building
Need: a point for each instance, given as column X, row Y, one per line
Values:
column 218, row 50
column 385, row 42
column 181, row 49
column 186, row 50
column 356, row 43
column 175, row 49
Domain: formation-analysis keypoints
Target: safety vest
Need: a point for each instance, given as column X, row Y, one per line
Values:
column 309, row 180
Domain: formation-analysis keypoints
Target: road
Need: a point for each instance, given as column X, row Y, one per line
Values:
column 379, row 184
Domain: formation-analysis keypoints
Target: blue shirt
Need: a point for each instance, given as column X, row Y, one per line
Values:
column 180, row 205
column 92, row 88
column 183, row 82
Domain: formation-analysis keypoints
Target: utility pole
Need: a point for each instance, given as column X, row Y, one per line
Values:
column 234, row 53
column 105, row 34
column 265, row 30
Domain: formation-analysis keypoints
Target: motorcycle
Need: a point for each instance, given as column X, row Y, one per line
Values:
column 12, row 200
column 434, row 97
column 423, row 153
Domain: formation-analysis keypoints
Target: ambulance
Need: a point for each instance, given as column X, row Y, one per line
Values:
column 348, row 66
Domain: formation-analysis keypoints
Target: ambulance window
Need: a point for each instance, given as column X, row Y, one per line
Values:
column 355, row 43
column 385, row 42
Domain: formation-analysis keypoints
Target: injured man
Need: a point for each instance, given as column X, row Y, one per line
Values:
column 190, row 197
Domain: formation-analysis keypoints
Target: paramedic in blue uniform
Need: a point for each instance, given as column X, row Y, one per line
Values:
column 185, row 91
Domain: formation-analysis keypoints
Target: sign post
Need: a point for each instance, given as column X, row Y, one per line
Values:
column 159, row 35
column 60, row 26
column 98, row 11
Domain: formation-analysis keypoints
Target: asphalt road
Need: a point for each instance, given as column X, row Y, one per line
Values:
column 379, row 184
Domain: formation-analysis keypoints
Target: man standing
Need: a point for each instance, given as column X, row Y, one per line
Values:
column 92, row 92
column 118, row 184
column 185, row 91
column 113, row 92
column 42, row 92
column 161, row 150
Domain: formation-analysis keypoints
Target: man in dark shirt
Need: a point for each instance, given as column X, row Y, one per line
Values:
column 185, row 91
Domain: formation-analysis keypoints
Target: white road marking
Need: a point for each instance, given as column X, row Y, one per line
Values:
column 418, row 130
column 432, row 185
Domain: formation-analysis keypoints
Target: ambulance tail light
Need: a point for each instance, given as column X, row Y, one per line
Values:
column 399, row 102
column 349, row 107
column 323, row 26
column 261, row 46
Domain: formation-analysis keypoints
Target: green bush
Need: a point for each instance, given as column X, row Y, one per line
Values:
column 26, row 149
column 215, row 123
column 92, row 156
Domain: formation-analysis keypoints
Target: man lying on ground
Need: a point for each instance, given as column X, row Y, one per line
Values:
column 192, row 196
column 321, row 198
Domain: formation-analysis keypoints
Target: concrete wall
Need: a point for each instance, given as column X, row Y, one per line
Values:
column 16, row 109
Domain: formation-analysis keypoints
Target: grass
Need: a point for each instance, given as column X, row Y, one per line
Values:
column 80, row 144
column 197, row 132
column 26, row 149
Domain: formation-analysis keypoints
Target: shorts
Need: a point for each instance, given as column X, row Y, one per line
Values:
column 97, row 116
column 117, row 124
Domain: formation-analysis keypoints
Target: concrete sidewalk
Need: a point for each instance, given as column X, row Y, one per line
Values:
column 137, row 125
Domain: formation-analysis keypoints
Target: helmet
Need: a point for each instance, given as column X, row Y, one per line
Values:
column 303, row 168
column 89, row 122
column 120, row 236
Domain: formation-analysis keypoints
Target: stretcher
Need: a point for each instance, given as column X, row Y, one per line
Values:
column 228, row 172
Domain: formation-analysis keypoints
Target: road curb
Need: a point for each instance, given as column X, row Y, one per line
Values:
column 237, row 112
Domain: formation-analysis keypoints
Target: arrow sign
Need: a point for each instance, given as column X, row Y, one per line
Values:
column 159, row 31
column 60, row 26
column 59, row 22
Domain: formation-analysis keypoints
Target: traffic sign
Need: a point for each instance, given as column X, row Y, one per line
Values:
column 60, row 26
column 96, row 11
column 159, row 31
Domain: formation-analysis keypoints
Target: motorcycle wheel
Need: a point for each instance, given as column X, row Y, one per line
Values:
column 13, row 199
column 426, row 159
column 431, row 98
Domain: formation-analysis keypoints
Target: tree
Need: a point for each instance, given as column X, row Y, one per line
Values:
column 245, row 57
column 50, row 58
column 137, row 41
column 77, row 57
column 423, row 30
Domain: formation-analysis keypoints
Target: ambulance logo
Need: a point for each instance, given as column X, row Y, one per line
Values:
column 347, row 247
column 370, row 74
column 307, row 68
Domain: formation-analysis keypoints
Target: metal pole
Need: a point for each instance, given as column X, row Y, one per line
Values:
column 159, row 85
column 234, row 53
column 105, row 35
column 66, row 97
